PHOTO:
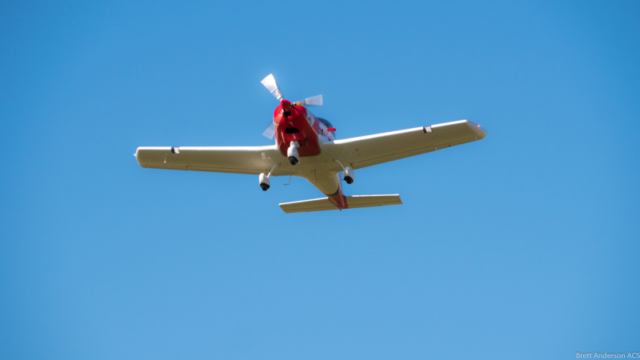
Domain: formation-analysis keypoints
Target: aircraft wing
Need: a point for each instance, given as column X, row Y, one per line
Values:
column 376, row 149
column 237, row 159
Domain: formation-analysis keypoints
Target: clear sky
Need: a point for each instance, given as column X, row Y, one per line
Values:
column 523, row 245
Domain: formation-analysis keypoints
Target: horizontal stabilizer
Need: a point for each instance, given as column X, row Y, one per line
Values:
column 353, row 202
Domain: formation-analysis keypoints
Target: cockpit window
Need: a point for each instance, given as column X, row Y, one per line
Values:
column 325, row 122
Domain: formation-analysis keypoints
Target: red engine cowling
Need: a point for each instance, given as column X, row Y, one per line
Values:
column 292, row 124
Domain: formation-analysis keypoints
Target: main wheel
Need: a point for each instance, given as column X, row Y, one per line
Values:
column 293, row 160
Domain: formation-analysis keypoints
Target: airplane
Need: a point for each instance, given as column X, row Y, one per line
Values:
column 306, row 146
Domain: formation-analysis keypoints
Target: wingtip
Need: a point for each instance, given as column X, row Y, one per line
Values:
column 480, row 132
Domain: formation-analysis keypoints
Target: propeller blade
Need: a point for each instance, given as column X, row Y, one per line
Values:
column 314, row 100
column 270, row 132
column 270, row 83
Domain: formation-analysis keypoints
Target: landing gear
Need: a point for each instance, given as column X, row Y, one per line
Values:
column 348, row 172
column 264, row 179
column 348, row 175
column 292, row 153
column 264, row 182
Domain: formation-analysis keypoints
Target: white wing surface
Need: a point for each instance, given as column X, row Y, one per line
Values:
column 376, row 149
column 238, row 160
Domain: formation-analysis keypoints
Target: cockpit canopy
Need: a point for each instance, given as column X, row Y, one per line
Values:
column 325, row 122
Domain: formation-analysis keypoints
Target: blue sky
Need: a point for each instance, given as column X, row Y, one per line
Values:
column 524, row 244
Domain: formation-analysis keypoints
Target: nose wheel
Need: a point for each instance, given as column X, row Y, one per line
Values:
column 292, row 153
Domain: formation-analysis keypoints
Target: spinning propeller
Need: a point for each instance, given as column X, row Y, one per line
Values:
column 270, row 83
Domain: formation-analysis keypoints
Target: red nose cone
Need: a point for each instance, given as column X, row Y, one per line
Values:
column 286, row 105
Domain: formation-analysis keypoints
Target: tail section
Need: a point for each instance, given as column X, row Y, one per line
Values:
column 353, row 202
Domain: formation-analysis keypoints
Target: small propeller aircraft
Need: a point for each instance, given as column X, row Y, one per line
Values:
column 306, row 147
